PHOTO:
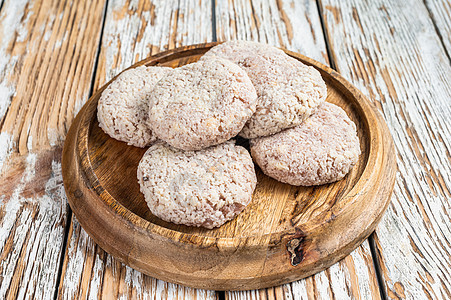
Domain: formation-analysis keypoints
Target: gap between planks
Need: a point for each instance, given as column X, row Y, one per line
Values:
column 425, row 282
column 69, row 212
column 333, row 65
column 377, row 267
column 330, row 57
column 439, row 34
column 63, row 252
column 213, row 21
column 1, row 5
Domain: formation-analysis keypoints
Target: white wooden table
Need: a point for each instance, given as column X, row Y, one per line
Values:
column 54, row 54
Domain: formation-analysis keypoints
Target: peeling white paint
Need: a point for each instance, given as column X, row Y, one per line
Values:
column 296, row 290
column 6, row 146
column 38, row 234
column 96, row 281
column 410, row 78
column 13, row 18
column 47, row 35
column 30, row 143
column 77, row 246
column 52, row 136
column 361, row 270
column 6, row 94
column 9, row 26
column 59, row 42
column 48, row 25
column 340, row 281
column 123, row 31
column 440, row 11
column 22, row 30
column 80, row 101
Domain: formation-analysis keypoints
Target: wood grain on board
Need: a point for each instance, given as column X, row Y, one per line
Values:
column 440, row 12
column 400, row 64
column 296, row 26
column 47, row 54
column 132, row 31
column 89, row 272
column 350, row 278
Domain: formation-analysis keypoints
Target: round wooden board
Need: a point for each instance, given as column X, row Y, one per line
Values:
column 285, row 234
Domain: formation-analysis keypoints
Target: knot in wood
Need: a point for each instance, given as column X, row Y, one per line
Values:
column 295, row 250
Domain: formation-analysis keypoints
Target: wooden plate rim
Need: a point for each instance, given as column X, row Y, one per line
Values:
column 82, row 182
column 359, row 188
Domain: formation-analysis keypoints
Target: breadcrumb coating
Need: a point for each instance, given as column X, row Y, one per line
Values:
column 123, row 107
column 201, row 104
column 321, row 150
column 197, row 188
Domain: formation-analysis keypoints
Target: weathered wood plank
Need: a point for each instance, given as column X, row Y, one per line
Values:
column 133, row 30
column 33, row 216
column 395, row 57
column 440, row 13
column 47, row 52
column 296, row 26
column 46, row 58
column 352, row 278
column 89, row 272
column 137, row 29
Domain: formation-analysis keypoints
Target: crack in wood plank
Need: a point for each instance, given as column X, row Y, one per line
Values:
column 45, row 57
column 440, row 12
column 402, row 66
column 33, row 218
